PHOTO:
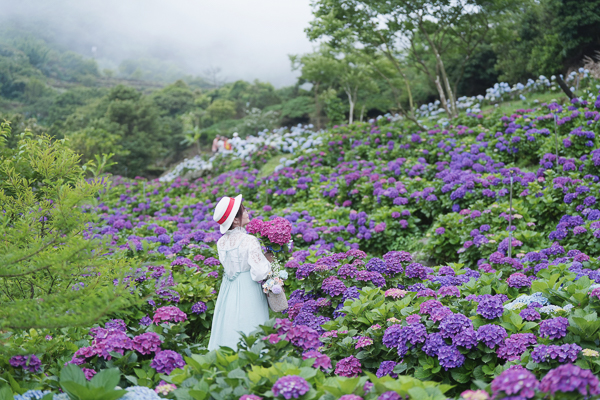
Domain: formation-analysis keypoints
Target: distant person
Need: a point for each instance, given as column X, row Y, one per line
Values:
column 215, row 144
column 227, row 145
column 220, row 144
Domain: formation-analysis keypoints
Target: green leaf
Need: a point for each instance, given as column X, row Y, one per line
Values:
column 107, row 379
column 6, row 393
column 72, row 373
column 79, row 392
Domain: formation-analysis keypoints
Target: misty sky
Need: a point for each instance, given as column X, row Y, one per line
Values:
column 247, row 39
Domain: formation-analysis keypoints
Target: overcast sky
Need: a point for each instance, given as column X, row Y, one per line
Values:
column 247, row 39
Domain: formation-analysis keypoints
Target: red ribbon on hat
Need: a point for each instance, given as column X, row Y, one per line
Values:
column 227, row 212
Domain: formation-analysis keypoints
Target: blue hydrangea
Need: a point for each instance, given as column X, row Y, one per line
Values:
column 32, row 394
column 140, row 393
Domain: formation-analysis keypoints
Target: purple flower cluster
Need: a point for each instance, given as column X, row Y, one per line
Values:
column 570, row 378
column 169, row 314
column 321, row 360
column 333, row 286
column 491, row 335
column 303, row 336
column 30, row 363
column 166, row 361
column 199, row 308
column 515, row 345
column 517, row 382
column 566, row 352
column 348, row 367
column 554, row 328
column 386, row 368
column 147, row 343
column 490, row 307
column 453, row 324
column 290, row 386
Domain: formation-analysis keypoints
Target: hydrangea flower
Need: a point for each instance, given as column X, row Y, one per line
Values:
column 290, row 386
column 30, row 363
column 199, row 308
column 453, row 324
column 517, row 382
column 140, row 393
column 166, row 361
column 348, row 367
column 169, row 314
column 450, row 357
column 389, row 395
column 165, row 388
column 554, row 328
column 146, row 343
column 321, row 360
column 564, row 353
column 31, row 395
column 570, row 378
column 386, row 368
column 490, row 307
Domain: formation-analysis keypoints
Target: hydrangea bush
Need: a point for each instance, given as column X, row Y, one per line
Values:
column 407, row 268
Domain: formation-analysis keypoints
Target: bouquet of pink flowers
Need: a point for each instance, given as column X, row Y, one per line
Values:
column 276, row 234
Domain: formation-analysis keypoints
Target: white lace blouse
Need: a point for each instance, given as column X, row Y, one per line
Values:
column 240, row 252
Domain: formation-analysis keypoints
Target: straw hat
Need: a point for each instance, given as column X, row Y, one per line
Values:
column 226, row 210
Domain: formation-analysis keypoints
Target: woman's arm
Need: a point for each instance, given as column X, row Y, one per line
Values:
column 260, row 265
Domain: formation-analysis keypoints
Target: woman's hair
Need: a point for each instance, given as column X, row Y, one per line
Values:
column 238, row 215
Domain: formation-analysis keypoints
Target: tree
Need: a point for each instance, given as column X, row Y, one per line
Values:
column 409, row 28
column 317, row 68
column 51, row 276
column 355, row 76
column 548, row 37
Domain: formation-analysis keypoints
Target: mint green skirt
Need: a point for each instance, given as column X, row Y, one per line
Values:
column 241, row 307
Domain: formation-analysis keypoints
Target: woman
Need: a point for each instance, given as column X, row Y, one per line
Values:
column 241, row 306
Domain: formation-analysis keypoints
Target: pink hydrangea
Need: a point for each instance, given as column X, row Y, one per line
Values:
column 169, row 314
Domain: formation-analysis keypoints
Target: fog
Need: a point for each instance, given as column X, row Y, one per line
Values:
column 246, row 39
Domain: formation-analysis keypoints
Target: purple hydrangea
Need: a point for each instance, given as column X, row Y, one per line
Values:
column 518, row 280
column 452, row 324
column 321, row 360
column 554, row 328
column 348, row 367
column 166, row 361
column 515, row 345
column 30, row 363
column 116, row 324
column 290, row 386
column 450, row 357
column 566, row 352
column 516, row 382
column 490, row 307
column 169, row 314
column 491, row 335
column 433, row 343
column 389, row 395
column 386, row 368
column 303, row 336
column 333, row 286
column 570, row 378
column 416, row 270
column 147, row 343
column 466, row 338
column 530, row 314
column 199, row 308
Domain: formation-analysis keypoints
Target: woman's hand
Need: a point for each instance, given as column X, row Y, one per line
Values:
column 270, row 256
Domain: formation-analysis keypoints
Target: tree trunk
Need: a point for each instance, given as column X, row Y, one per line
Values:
column 351, row 101
column 362, row 113
column 442, row 95
column 564, row 87
column 317, row 107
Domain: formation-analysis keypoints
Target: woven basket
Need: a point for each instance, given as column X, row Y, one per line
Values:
column 277, row 302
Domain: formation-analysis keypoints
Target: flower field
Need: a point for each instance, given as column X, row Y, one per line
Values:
column 458, row 262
